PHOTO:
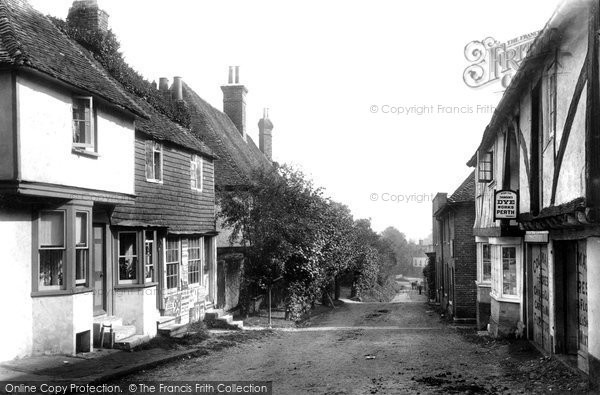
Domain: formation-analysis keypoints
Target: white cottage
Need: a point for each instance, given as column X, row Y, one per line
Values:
column 66, row 161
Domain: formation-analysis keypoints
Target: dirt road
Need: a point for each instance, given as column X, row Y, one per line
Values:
column 372, row 348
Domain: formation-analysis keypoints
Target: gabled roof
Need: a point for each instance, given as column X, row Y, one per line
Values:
column 238, row 159
column 465, row 192
column 28, row 39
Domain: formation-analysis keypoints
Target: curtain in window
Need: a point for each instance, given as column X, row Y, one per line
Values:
column 52, row 229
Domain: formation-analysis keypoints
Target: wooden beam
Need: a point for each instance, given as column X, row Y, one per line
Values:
column 592, row 122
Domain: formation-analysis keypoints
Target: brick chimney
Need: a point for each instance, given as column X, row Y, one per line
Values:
column 265, row 142
column 86, row 14
column 234, row 100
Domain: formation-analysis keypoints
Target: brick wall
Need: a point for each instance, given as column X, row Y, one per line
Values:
column 465, row 262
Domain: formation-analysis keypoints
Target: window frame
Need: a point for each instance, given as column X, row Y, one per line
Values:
column 64, row 268
column 86, row 278
column 483, row 260
column 70, row 284
column 175, row 263
column 93, row 144
column 154, row 254
column 516, row 273
column 196, row 161
column 485, row 175
column 136, row 280
column 197, row 273
column 154, row 147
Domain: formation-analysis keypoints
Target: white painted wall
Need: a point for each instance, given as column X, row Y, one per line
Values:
column 15, row 284
column 45, row 134
column 137, row 306
column 57, row 319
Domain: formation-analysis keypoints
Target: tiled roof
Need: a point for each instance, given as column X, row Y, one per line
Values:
column 465, row 192
column 159, row 127
column 29, row 39
column 238, row 159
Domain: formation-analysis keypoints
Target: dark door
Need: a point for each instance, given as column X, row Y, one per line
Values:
column 538, row 317
column 221, row 284
column 566, row 297
column 99, row 270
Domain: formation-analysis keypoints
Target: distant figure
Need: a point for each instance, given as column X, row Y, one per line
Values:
column 420, row 286
column 413, row 285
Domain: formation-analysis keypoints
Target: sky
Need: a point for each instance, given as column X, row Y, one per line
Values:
column 366, row 97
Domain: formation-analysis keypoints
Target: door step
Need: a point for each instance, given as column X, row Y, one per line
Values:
column 131, row 342
column 218, row 319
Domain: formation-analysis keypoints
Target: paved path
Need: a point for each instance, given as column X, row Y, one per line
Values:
column 369, row 348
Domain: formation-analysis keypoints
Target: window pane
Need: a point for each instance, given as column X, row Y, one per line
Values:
column 127, row 244
column 81, row 264
column 51, row 269
column 148, row 256
column 82, row 129
column 157, row 159
column 128, row 256
column 81, row 229
column 52, row 229
column 127, row 268
column 509, row 271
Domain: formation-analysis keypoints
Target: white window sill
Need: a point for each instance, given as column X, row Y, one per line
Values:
column 154, row 181
column 84, row 152
column 506, row 299
column 482, row 284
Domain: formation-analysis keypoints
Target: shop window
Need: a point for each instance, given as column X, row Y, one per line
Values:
column 194, row 259
column 172, row 262
column 509, row 271
column 486, row 263
column 149, row 249
column 128, row 257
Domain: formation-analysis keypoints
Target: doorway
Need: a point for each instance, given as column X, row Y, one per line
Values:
column 570, row 297
column 99, row 269
column 538, row 296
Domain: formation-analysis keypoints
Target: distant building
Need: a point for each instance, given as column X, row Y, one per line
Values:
column 420, row 261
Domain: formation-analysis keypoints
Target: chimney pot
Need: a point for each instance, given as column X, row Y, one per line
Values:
column 177, row 88
column 237, row 74
column 163, row 84
column 265, row 137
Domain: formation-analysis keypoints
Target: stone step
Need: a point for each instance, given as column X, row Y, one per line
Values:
column 164, row 320
column 239, row 324
column 123, row 332
column 173, row 329
column 213, row 314
column 131, row 342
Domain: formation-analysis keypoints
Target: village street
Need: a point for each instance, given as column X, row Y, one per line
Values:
column 385, row 348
